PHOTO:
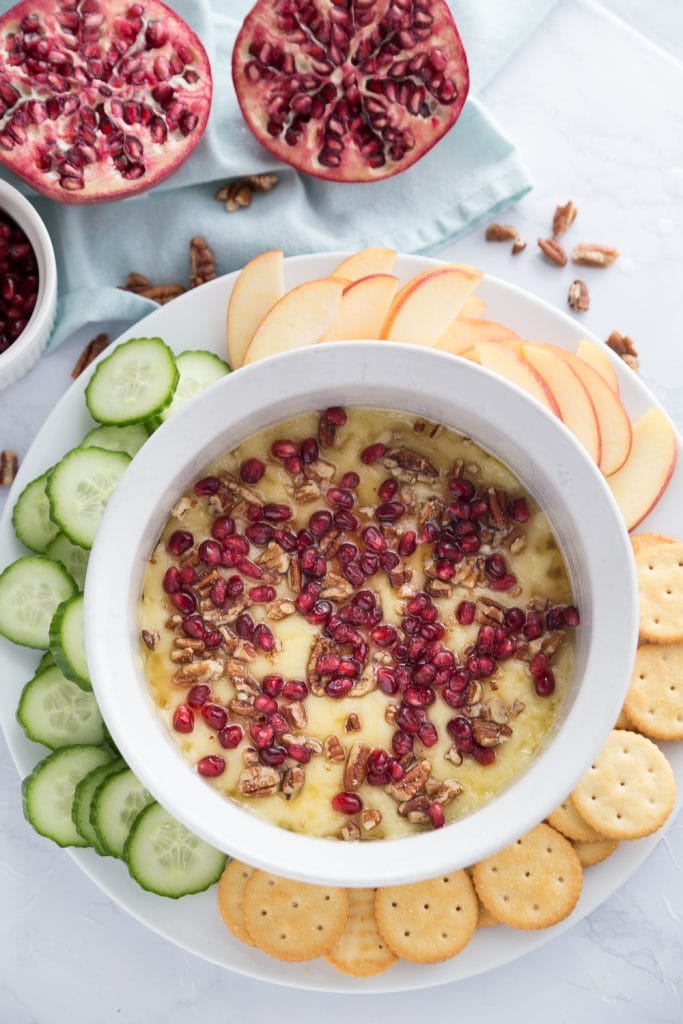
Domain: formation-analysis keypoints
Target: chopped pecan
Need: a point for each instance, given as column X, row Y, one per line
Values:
column 497, row 505
column 327, row 431
column 182, row 506
column 391, row 713
column 250, row 757
column 551, row 248
column 273, row 557
column 406, row 495
column 336, row 588
column 173, row 622
column 236, row 195
column 489, row 611
column 501, row 233
column 399, row 578
column 186, row 641
column 366, row 682
column 239, row 649
column 202, row 262
column 352, row 723
column 295, row 714
column 438, row 588
column 489, row 734
column 444, row 791
column 350, row 831
column 280, row 609
column 496, row 711
column 551, row 643
column 91, row 351
column 589, row 254
column 413, row 781
column 433, row 508
column 304, row 491
column 407, row 465
column 563, row 218
column 259, row 780
column 319, row 470
column 519, row 245
column 150, row 638
column 205, row 582
column 315, row 744
column 294, row 576
column 578, row 296
column 321, row 645
column 515, row 541
column 198, row 672
column 232, row 611
column 517, row 707
column 356, row 767
column 161, row 293
column 370, row 818
column 625, row 349
column 293, row 782
column 243, row 708
column 415, row 809
column 453, row 755
column 182, row 657
column 333, row 749
column 330, row 543
column 467, row 575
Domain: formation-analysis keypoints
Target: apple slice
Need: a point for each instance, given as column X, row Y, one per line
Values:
column 597, row 358
column 425, row 306
column 463, row 333
column 472, row 308
column 644, row 477
column 366, row 262
column 615, row 426
column 364, row 306
column 508, row 364
column 300, row 318
column 259, row 286
column 576, row 407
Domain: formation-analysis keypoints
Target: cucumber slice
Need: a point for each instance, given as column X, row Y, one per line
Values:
column 73, row 558
column 49, row 791
column 54, row 711
column 167, row 859
column 67, row 644
column 115, row 806
column 85, row 791
column 31, row 517
column 46, row 661
column 31, row 590
column 198, row 370
column 117, row 439
column 79, row 488
column 133, row 384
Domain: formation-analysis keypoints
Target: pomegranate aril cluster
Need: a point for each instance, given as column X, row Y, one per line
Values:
column 18, row 281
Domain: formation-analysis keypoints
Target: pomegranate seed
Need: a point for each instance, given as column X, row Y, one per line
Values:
column 254, row 512
column 295, row 689
column 299, row 752
column 194, row 627
column 486, row 640
column 373, row 539
column 418, row 603
column 384, row 636
column 423, row 675
column 354, row 574
column 419, row 696
column 369, row 563
column 209, row 485
column 505, row 649
column 390, row 512
column 273, row 756
column 553, row 618
column 349, row 481
column 304, row 540
column 284, row 449
column 309, row 450
column 461, row 488
column 484, row 755
column 244, row 626
column 386, row 681
column 188, row 575
column 347, row 553
column 514, row 619
column 252, row 470
column 407, row 544
column 234, row 586
column 272, row 686
column 387, row 490
column 279, row 723
column 443, row 659
column 198, row 696
column 215, row 716
column 349, row 667
column 339, row 498
column 470, row 544
column 327, row 664
column 505, row 583
column 459, row 728
column 262, row 594
column 519, row 510
column 320, row 612
column 448, row 549
column 213, row 639
column 533, row 627
column 218, row 594
column 249, row 568
column 478, row 509
column 211, row 552
column 211, row 767
column 365, row 599
column 265, row 705
column 345, row 520
column 372, row 453
column 427, row 734
column 539, row 664
column 179, row 542
column 320, row 522
column 262, row 735
column 460, row 510
column 429, row 532
column 461, row 679
column 347, row 803
column 259, row 534
column 171, row 583
column 293, row 465
column 277, row 513
column 184, row 601
column 571, row 616
column 544, row 684
column 495, row 567
column 230, row 737
column 183, row 719
column 237, row 544
column 336, row 415
column 401, row 743
column 389, row 560
column 285, row 538
column 264, row 638
column 436, row 814
column 395, row 770
column 338, row 687
column 304, row 603
column 454, row 698
column 408, row 719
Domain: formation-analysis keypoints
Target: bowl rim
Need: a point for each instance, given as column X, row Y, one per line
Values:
column 244, row 835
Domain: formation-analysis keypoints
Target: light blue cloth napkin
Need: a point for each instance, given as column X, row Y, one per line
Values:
column 464, row 180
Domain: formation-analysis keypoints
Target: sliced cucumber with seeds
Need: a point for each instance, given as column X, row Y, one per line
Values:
column 198, row 370
column 115, row 806
column 49, row 791
column 67, row 644
column 166, row 858
column 135, row 383
column 79, row 488
column 31, row 590
column 117, row 439
column 73, row 558
column 54, row 711
column 31, row 516
column 83, row 797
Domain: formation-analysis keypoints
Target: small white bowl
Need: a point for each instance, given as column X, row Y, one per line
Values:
column 552, row 466
column 27, row 349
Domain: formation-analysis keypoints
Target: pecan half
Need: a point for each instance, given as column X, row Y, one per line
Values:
column 327, row 431
column 243, row 708
column 366, row 682
column 489, row 734
column 333, row 749
column 295, row 714
column 89, row 354
column 496, row 711
column 280, row 609
column 409, row 463
column 501, row 233
column 292, row 782
column 625, row 349
column 161, row 293
column 330, row 544
column 589, row 254
column 202, row 262
column 198, row 672
column 415, row 810
column 445, row 791
column 9, row 464
column 336, row 588
column 370, row 818
column 551, row 248
column 519, row 245
column 356, row 767
column 319, row 470
column 578, row 296
column 150, row 638
column 412, row 782
column 352, row 723
column 350, row 831
column 259, row 780
column 563, row 218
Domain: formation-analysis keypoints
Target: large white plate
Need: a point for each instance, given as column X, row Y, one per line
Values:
column 197, row 320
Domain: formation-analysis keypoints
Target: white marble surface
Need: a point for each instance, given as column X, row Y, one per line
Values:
column 595, row 101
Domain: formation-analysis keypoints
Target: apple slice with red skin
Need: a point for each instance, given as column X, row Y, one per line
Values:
column 300, row 318
column 366, row 262
column 259, row 286
column 364, row 306
column 597, row 357
column 576, row 408
column 508, row 364
column 644, row 477
column 426, row 305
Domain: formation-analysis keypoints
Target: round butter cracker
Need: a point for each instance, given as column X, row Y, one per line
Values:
column 660, row 583
column 642, row 541
column 231, row 888
column 428, row 922
column 594, row 853
column 361, row 951
column 630, row 790
column 567, row 820
column 533, row 883
column 291, row 920
column 654, row 702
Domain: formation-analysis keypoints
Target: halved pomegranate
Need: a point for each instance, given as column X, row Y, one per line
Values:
column 350, row 90
column 99, row 99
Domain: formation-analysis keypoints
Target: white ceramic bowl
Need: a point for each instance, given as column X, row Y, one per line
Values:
column 500, row 417
column 27, row 349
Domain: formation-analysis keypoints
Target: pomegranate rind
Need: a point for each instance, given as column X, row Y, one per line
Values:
column 350, row 109
column 63, row 133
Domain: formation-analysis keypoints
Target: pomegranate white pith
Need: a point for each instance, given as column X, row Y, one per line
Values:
column 99, row 100
column 350, row 90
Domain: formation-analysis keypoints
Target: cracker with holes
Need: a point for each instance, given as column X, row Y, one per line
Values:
column 533, row 883
column 428, row 922
column 486, row 918
column 643, row 541
column 622, row 721
column 567, row 820
column 594, row 853
column 293, row 920
column 654, row 702
column 231, row 888
column 630, row 790
column 361, row 950
column 660, row 583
